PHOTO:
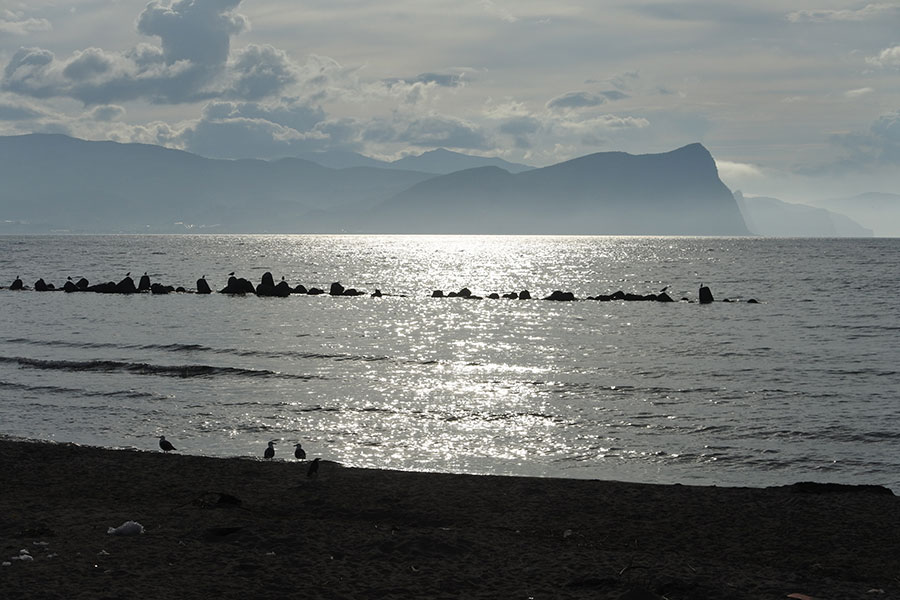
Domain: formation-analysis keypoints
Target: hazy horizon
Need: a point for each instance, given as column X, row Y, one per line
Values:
column 794, row 101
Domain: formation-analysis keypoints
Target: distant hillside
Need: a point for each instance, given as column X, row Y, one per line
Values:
column 435, row 162
column 772, row 217
column 878, row 211
column 54, row 182
column 444, row 162
column 677, row 193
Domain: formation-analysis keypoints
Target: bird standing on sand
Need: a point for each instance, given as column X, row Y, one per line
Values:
column 313, row 468
column 270, row 451
column 165, row 444
column 299, row 452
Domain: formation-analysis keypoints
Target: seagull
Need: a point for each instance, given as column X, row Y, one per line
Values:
column 313, row 468
column 165, row 444
column 270, row 451
column 299, row 452
column 128, row 274
column 664, row 289
column 231, row 274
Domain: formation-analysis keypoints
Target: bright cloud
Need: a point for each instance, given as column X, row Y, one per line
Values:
column 889, row 57
column 16, row 23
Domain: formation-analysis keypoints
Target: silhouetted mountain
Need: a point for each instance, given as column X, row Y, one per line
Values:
column 54, row 182
column 435, row 162
column 676, row 193
column 878, row 211
column 772, row 217
column 444, row 162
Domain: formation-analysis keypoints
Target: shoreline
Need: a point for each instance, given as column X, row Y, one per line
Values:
column 237, row 527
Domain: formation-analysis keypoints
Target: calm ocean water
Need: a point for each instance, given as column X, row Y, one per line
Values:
column 802, row 386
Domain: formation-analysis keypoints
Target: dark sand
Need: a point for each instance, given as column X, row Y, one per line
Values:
column 355, row 533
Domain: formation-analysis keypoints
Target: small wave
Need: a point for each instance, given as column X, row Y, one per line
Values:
column 63, row 391
column 196, row 348
column 112, row 366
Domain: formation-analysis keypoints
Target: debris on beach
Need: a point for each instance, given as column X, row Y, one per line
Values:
column 24, row 555
column 127, row 528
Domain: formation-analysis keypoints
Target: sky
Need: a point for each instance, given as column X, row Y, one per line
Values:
column 797, row 100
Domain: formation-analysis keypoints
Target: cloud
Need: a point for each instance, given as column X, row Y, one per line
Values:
column 491, row 7
column 869, row 11
column 427, row 131
column 578, row 100
column 453, row 79
column 254, row 129
column 889, row 57
column 17, row 111
column 858, row 93
column 198, row 31
column 193, row 62
column 261, row 71
column 15, row 23
column 877, row 147
column 735, row 170
column 108, row 112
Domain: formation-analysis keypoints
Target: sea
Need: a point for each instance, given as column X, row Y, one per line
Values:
column 801, row 386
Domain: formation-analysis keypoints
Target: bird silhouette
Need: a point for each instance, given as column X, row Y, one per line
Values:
column 313, row 468
column 299, row 452
column 165, row 444
column 270, row 451
column 664, row 289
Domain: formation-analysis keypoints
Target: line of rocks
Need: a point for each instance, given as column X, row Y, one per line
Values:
column 705, row 296
column 268, row 287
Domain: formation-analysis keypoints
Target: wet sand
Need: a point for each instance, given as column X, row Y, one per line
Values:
column 244, row 528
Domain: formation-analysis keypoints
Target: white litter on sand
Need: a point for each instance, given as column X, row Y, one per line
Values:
column 127, row 528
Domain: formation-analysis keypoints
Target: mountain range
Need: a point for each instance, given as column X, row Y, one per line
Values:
column 776, row 218
column 53, row 182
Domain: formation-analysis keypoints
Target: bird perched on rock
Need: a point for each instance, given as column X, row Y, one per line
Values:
column 299, row 452
column 313, row 468
column 165, row 444
column 270, row 451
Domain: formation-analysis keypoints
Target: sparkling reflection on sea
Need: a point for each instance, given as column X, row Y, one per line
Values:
column 801, row 386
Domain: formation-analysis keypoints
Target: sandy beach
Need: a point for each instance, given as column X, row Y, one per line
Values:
column 246, row 528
